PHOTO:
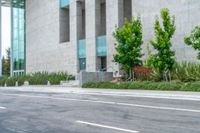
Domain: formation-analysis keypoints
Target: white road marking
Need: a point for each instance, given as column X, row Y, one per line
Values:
column 2, row 107
column 108, row 127
column 107, row 102
column 141, row 95
column 128, row 93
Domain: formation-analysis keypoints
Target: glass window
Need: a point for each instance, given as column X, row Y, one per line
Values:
column 101, row 46
column 82, row 63
column 18, row 35
column 82, row 48
column 64, row 3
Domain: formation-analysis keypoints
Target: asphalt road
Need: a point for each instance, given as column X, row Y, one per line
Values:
column 50, row 112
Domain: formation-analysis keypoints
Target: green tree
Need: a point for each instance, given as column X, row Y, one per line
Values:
column 6, row 63
column 128, row 46
column 194, row 40
column 163, row 59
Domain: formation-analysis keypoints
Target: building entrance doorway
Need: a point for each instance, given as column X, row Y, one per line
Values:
column 102, row 63
column 82, row 64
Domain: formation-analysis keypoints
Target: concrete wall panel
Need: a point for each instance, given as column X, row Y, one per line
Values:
column 45, row 53
column 187, row 13
column 43, row 50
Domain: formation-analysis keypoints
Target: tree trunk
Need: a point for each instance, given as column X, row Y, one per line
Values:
column 170, row 77
column 130, row 74
column 133, row 73
column 165, row 75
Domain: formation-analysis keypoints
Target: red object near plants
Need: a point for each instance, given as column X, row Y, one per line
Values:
column 140, row 70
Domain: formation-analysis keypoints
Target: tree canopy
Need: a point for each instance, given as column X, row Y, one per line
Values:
column 6, row 63
column 128, row 46
column 164, row 58
column 194, row 40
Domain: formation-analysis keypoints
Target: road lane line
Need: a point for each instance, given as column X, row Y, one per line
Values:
column 107, row 102
column 140, row 95
column 154, row 95
column 108, row 127
column 2, row 107
column 160, row 107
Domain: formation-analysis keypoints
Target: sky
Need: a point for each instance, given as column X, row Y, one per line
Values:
column 6, row 28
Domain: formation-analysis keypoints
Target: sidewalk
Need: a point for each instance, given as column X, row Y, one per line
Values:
column 108, row 92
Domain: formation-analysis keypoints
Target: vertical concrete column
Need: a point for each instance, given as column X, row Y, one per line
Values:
column 64, row 25
column 133, row 10
column 79, row 20
column 73, row 9
column 128, row 9
column 114, row 18
column 91, row 31
column 98, row 17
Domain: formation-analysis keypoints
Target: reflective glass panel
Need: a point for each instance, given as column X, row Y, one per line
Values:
column 18, row 35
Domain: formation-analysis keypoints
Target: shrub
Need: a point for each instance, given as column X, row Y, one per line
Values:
column 106, row 85
column 156, row 75
column 11, row 81
column 171, row 86
column 163, row 59
column 191, row 86
column 39, row 78
column 194, row 40
column 186, row 72
column 142, row 73
column 3, row 80
column 128, row 47
column 55, row 78
column 147, row 85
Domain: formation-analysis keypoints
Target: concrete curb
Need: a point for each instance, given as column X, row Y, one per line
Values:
column 174, row 95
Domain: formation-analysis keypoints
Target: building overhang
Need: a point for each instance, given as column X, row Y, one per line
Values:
column 13, row 3
column 5, row 3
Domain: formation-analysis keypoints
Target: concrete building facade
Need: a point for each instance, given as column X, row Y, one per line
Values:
column 77, row 35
